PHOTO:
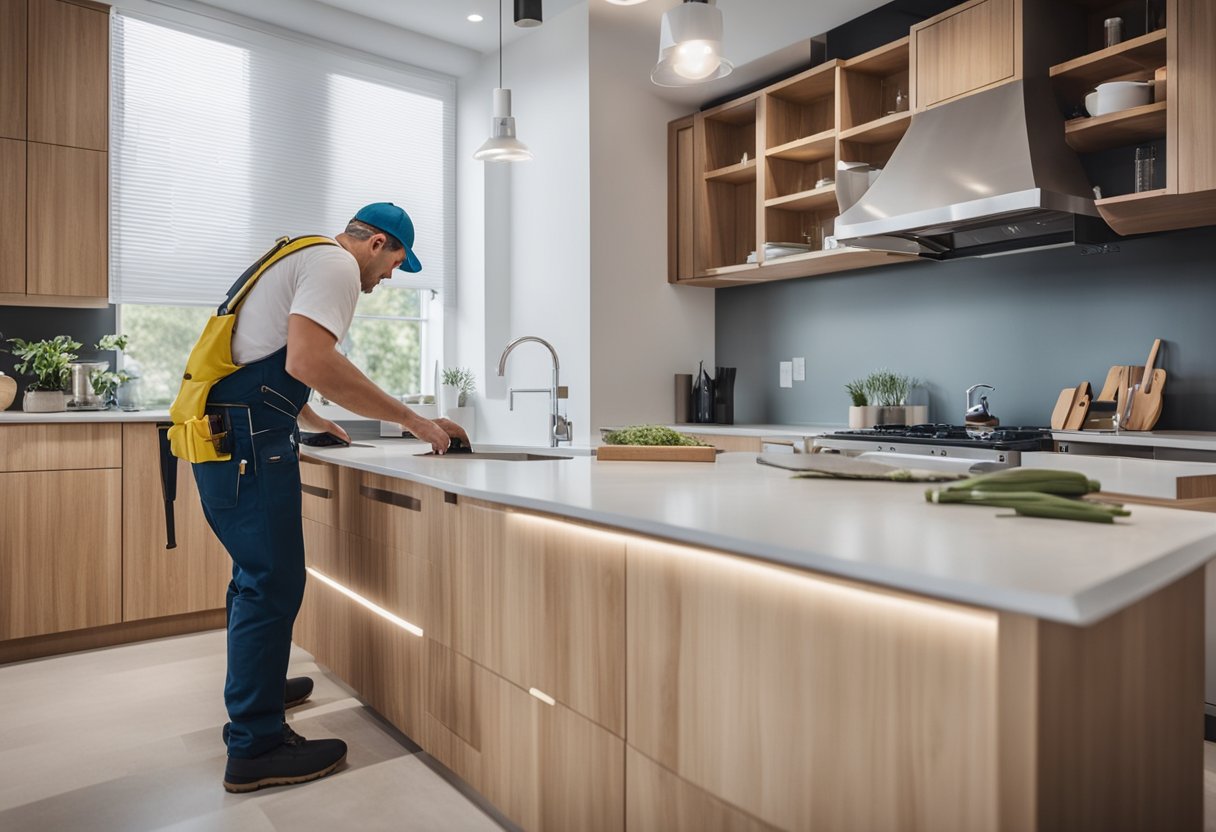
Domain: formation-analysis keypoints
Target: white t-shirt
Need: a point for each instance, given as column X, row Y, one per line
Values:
column 321, row 283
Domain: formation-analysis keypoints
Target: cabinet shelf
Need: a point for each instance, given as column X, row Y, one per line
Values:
column 816, row 199
column 1137, row 56
column 799, row 265
column 809, row 149
column 889, row 128
column 888, row 59
column 1127, row 127
column 735, row 174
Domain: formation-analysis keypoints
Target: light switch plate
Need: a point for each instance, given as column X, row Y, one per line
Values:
column 799, row 369
column 787, row 373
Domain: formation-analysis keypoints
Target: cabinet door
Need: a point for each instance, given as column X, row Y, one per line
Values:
column 12, row 68
column 681, row 190
column 159, row 581
column 964, row 50
column 12, row 216
column 60, row 551
column 67, row 232
column 544, row 766
column 1194, row 78
column 69, row 75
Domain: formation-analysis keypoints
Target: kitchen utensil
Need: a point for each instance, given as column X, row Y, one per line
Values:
column 1063, row 408
column 1146, row 168
column 703, row 396
column 1091, row 102
column 1114, row 96
column 82, row 396
column 724, row 395
column 1147, row 400
column 1080, row 406
column 1102, row 415
column 1112, row 29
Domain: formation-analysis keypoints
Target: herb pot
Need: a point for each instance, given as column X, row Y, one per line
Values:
column 43, row 401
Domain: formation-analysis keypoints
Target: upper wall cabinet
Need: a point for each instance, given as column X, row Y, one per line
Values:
column 12, row 68
column 69, row 75
column 966, row 49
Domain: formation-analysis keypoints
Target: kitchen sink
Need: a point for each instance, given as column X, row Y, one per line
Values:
column 503, row 456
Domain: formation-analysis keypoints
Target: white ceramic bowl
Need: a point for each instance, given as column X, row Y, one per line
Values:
column 1115, row 96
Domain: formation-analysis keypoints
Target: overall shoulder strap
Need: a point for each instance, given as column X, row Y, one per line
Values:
column 282, row 248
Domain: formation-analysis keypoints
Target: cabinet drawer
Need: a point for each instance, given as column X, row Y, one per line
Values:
column 60, row 551
column 319, row 485
column 544, row 766
column 58, row 447
column 391, row 511
column 391, row 578
column 328, row 550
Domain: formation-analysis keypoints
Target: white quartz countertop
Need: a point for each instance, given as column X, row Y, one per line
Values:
column 18, row 417
column 1122, row 475
column 879, row 532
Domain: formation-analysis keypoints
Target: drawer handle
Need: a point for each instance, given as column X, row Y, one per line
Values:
column 380, row 495
column 312, row 490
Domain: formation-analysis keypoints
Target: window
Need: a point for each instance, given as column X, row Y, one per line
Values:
column 225, row 138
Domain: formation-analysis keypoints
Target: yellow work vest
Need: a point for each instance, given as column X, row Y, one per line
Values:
column 192, row 436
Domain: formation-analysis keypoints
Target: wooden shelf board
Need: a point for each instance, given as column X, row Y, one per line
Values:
column 808, row 149
column 1124, row 199
column 1143, row 54
column 885, row 60
column 741, row 267
column 880, row 130
column 735, row 174
column 816, row 82
column 1127, row 127
column 801, row 265
column 735, row 112
column 815, row 199
column 1153, row 211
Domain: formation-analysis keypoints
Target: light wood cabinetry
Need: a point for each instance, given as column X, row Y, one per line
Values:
column 544, row 766
column 67, row 227
column 681, row 201
column 60, row 447
column 60, row 551
column 658, row 801
column 12, row 216
column 69, row 75
column 156, row 581
column 965, row 50
column 54, row 102
column 12, row 69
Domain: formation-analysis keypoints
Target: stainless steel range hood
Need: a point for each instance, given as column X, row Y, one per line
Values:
column 988, row 174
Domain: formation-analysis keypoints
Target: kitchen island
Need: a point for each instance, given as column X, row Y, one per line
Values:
column 610, row 645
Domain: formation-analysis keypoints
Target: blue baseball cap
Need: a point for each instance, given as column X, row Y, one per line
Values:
column 393, row 221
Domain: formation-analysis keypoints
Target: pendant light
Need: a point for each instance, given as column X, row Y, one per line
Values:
column 502, row 146
column 690, row 45
column 528, row 13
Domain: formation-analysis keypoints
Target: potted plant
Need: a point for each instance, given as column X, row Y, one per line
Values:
column 48, row 363
column 881, row 398
column 458, row 384
column 106, row 383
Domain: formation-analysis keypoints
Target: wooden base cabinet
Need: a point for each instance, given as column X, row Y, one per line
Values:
column 157, row 581
column 60, row 551
column 544, row 766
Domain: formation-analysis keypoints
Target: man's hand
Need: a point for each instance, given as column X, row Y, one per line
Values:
column 454, row 431
column 310, row 420
column 429, row 431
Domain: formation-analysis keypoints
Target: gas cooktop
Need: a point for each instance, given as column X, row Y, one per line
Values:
column 999, row 438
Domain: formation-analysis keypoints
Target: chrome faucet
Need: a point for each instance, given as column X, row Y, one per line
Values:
column 561, row 429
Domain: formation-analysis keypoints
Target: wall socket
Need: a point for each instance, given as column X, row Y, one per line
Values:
column 799, row 369
column 787, row 373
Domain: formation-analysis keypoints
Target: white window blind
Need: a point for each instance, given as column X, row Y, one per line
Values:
column 224, row 138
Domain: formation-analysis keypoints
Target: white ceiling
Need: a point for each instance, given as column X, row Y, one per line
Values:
column 445, row 19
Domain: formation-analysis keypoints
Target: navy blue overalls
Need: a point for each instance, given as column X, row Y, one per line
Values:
column 253, row 505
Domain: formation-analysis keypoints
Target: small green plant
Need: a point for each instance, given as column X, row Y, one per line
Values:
column 463, row 380
column 106, row 384
column 648, row 435
column 46, row 361
column 881, row 388
column 109, row 343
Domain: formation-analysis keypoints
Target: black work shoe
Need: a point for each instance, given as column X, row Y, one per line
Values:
column 296, row 691
column 288, row 734
column 297, row 760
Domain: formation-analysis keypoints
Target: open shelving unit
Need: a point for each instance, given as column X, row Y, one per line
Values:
column 874, row 103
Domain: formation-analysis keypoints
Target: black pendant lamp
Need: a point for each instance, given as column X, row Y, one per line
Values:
column 528, row 13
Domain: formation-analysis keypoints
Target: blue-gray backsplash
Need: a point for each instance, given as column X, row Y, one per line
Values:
column 1028, row 324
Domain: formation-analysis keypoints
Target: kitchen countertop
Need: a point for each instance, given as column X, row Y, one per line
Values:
column 1180, row 439
column 878, row 532
column 1154, row 478
column 18, row 417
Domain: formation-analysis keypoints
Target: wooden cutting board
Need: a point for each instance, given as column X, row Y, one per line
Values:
column 656, row 453
column 1071, row 407
column 851, row 468
column 1148, row 400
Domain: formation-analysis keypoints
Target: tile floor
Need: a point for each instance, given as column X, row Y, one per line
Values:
column 128, row 739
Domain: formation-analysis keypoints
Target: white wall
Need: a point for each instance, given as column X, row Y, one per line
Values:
column 643, row 330
column 523, row 233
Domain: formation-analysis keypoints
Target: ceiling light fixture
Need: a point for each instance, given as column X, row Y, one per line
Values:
column 474, row 18
column 528, row 14
column 502, row 146
column 690, row 46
